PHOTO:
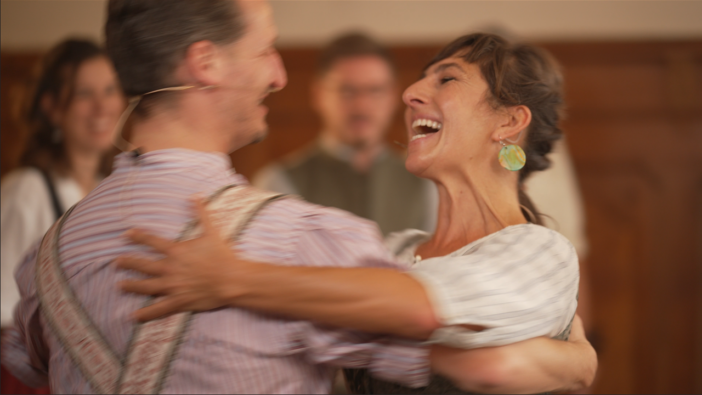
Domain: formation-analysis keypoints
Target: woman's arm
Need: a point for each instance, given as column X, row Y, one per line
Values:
column 531, row 366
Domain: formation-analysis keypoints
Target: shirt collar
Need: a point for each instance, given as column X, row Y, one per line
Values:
column 176, row 159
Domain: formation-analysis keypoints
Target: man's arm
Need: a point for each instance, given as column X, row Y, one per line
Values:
column 387, row 358
column 203, row 274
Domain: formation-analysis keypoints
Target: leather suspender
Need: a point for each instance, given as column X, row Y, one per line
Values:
column 55, row 203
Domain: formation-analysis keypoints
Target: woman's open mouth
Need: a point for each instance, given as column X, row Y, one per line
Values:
column 424, row 127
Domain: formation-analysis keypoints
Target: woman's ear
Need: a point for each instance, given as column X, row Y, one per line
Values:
column 516, row 119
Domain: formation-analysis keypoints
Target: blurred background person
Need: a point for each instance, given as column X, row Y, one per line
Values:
column 349, row 166
column 71, row 117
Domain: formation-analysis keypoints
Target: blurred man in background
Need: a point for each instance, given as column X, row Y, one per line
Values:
column 349, row 166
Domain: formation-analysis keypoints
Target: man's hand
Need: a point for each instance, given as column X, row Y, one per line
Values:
column 191, row 277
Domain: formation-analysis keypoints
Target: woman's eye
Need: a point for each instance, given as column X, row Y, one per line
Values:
column 446, row 79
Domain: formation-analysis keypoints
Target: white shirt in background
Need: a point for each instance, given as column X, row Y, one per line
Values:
column 26, row 213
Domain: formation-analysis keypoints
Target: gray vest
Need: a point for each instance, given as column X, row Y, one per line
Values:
column 388, row 194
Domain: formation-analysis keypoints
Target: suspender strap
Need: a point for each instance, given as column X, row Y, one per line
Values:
column 154, row 344
column 71, row 324
column 55, row 203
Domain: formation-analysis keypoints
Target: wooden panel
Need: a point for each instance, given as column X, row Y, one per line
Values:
column 698, row 322
column 635, row 132
column 621, row 211
column 17, row 70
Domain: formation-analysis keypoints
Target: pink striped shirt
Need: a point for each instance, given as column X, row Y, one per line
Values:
column 228, row 350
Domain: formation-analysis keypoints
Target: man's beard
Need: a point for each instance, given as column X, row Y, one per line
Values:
column 260, row 136
column 255, row 139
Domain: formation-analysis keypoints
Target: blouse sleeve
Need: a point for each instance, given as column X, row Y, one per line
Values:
column 517, row 284
column 25, row 215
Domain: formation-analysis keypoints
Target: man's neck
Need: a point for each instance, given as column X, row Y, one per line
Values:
column 172, row 130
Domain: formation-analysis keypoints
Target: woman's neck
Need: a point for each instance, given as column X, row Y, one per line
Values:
column 471, row 208
column 83, row 167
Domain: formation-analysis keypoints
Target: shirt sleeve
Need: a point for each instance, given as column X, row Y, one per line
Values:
column 387, row 358
column 517, row 284
column 24, row 351
column 335, row 238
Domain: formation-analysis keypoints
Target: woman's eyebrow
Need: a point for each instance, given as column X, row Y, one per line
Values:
column 448, row 66
column 443, row 67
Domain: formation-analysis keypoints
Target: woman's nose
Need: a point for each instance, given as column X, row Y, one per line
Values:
column 414, row 94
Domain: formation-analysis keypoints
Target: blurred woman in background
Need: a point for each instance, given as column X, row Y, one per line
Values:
column 71, row 117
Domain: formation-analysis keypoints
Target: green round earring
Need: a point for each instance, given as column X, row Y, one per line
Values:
column 512, row 157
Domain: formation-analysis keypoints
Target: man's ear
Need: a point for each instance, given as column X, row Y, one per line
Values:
column 204, row 63
column 515, row 119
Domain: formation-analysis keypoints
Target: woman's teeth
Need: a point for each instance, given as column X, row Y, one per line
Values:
column 423, row 127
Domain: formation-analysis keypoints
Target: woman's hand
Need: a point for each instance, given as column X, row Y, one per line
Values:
column 191, row 277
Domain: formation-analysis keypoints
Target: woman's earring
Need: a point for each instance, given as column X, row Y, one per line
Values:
column 512, row 157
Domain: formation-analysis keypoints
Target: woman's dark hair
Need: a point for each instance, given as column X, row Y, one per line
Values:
column 56, row 79
column 518, row 74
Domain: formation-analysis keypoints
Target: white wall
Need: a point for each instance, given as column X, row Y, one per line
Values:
column 36, row 24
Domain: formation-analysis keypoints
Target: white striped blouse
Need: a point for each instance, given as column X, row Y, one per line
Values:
column 518, row 283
